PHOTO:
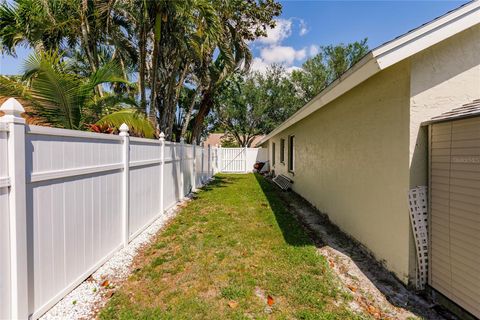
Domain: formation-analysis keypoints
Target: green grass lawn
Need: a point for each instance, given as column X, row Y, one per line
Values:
column 222, row 257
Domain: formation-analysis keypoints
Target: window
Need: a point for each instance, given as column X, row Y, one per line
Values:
column 273, row 154
column 291, row 153
column 282, row 151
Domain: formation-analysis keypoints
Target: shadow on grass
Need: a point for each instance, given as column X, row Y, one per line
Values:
column 288, row 203
column 292, row 231
column 219, row 181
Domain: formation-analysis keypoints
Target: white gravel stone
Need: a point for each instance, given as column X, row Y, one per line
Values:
column 84, row 300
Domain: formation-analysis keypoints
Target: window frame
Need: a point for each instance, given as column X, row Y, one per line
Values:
column 282, row 151
column 291, row 154
column 273, row 154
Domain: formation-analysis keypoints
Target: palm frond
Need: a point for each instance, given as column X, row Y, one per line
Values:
column 56, row 93
column 13, row 87
column 137, row 122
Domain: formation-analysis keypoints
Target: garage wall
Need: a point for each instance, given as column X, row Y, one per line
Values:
column 352, row 163
column 443, row 77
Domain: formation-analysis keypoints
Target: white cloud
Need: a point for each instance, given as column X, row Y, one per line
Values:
column 259, row 65
column 303, row 28
column 282, row 30
column 313, row 50
column 301, row 54
column 272, row 51
column 282, row 54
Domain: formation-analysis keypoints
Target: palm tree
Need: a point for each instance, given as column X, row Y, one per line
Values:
column 186, row 28
column 161, row 43
column 60, row 97
column 233, row 55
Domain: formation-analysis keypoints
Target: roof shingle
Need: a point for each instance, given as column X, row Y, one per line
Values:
column 468, row 110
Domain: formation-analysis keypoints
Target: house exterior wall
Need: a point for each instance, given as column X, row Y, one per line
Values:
column 352, row 163
column 443, row 77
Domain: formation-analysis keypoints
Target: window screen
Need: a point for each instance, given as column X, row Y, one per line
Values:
column 291, row 153
column 273, row 154
column 282, row 150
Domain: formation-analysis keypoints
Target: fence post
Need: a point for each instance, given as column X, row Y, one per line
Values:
column 202, row 146
column 126, row 183
column 245, row 159
column 209, row 155
column 182, row 167
column 220, row 159
column 194, row 181
column 17, row 207
column 162, row 168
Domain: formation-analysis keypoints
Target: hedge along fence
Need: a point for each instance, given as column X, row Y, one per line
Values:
column 70, row 199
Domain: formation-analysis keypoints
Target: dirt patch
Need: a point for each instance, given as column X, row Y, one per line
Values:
column 376, row 291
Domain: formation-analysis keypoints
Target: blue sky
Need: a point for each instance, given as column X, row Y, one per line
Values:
column 306, row 25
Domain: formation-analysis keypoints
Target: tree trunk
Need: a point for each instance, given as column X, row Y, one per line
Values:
column 169, row 108
column 203, row 111
column 142, row 41
column 172, row 104
column 153, row 85
column 124, row 72
column 188, row 115
column 87, row 45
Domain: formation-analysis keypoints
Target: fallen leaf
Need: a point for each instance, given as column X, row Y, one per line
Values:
column 105, row 283
column 109, row 294
column 331, row 264
column 232, row 304
column 270, row 300
column 352, row 288
column 372, row 310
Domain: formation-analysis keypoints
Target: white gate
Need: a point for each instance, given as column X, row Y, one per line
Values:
column 237, row 160
column 233, row 159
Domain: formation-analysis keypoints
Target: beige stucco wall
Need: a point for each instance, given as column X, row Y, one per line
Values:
column 443, row 77
column 352, row 163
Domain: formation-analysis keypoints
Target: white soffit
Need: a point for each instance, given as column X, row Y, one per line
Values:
column 387, row 55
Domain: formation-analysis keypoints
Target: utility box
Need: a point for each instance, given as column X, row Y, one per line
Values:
column 454, row 232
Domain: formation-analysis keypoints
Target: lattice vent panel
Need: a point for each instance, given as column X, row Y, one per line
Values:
column 417, row 198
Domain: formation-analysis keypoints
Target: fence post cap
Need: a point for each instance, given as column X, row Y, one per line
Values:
column 124, row 130
column 162, row 136
column 12, row 107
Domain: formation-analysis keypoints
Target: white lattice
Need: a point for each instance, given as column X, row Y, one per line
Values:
column 417, row 198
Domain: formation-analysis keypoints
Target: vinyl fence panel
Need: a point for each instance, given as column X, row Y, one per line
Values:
column 188, row 169
column 172, row 174
column 144, row 203
column 198, row 165
column 70, row 199
column 73, row 208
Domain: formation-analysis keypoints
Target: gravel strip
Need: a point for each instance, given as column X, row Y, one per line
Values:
column 92, row 294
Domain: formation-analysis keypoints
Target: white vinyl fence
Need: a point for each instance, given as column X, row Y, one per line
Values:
column 239, row 160
column 70, row 199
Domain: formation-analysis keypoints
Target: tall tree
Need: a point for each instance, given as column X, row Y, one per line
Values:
column 162, row 44
column 327, row 66
column 242, row 21
column 254, row 104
